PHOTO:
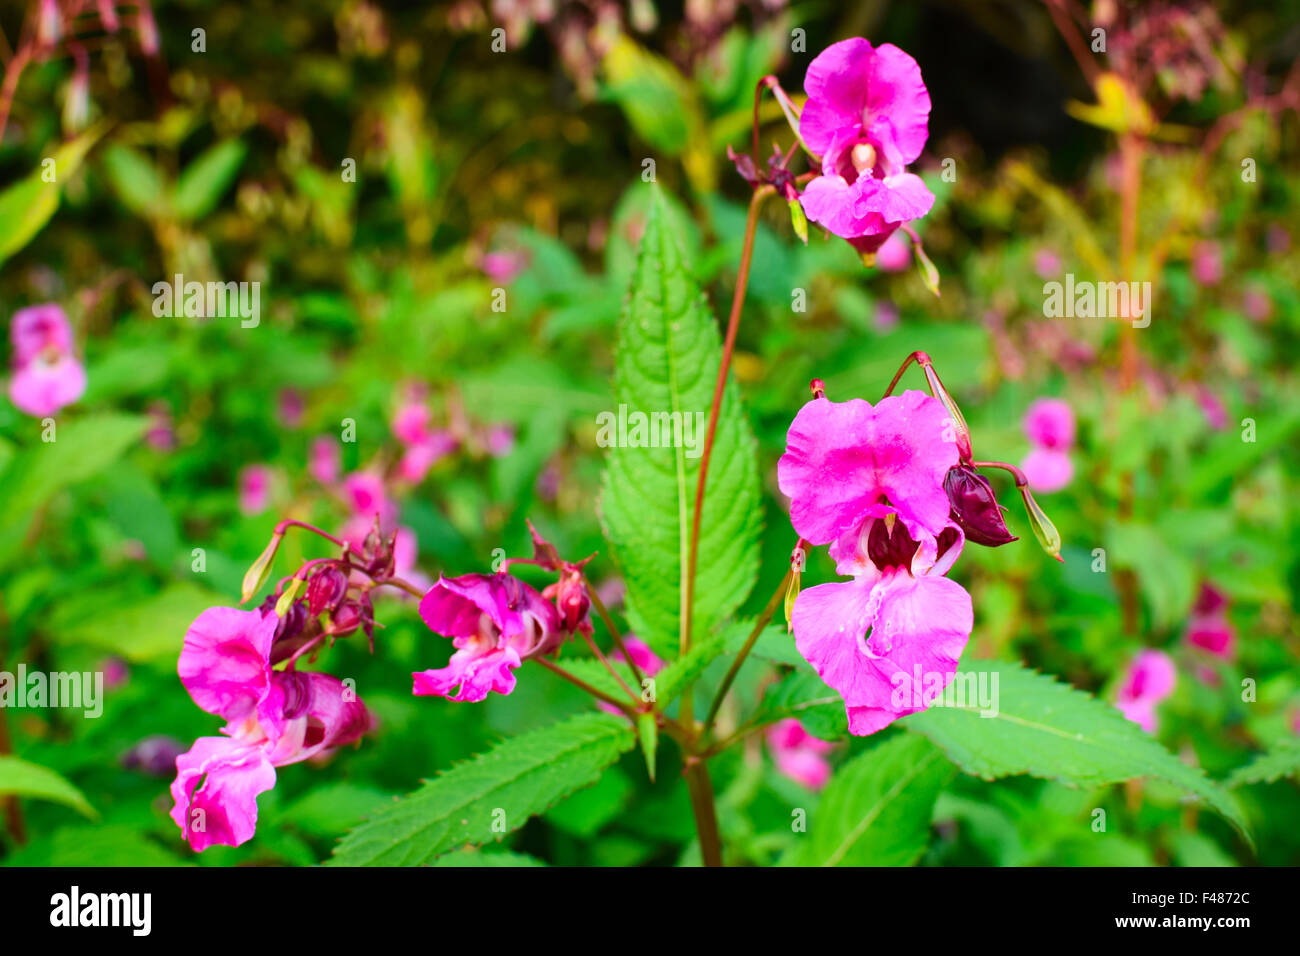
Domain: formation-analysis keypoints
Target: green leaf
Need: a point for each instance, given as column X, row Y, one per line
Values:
column 98, row 845
column 27, row 205
column 666, row 362
column 142, row 629
column 876, row 810
column 80, row 450
column 1166, row 575
column 201, row 185
column 25, row 779
column 804, row 696
column 1282, row 761
column 490, row 795
column 486, row 858
column 135, row 180
column 647, row 733
column 1051, row 730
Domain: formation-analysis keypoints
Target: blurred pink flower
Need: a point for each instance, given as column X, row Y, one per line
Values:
column 1207, row 263
column 160, row 436
column 419, row 458
column 1209, row 628
column 500, row 440
column 1047, row 263
column 254, row 489
column 1216, row 415
column 290, row 407
column 798, row 754
column 886, row 316
column 895, row 254
column 46, row 374
column 1049, row 425
column 366, row 497
column 867, row 117
column 411, row 423
column 501, row 266
column 1256, row 304
column 1149, row 680
column 325, row 459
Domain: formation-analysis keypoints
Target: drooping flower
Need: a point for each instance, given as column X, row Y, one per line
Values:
column 1049, row 425
column 867, row 118
column 799, row 755
column 273, row 718
column 870, row 482
column 495, row 622
column 1150, row 678
column 47, row 375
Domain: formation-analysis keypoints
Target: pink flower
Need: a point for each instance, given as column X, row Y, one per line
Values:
column 886, row 316
column 46, row 374
column 502, row 266
column 419, row 458
column 325, row 460
column 161, row 436
column 1047, row 470
column 1047, row 263
column 273, row 718
column 866, row 116
column 366, row 497
column 254, row 489
column 1209, row 627
column 895, row 254
column 495, row 622
column 870, row 482
column 411, row 423
column 1207, row 263
column 500, row 440
column 1049, row 424
column 290, row 407
column 1149, row 680
column 798, row 754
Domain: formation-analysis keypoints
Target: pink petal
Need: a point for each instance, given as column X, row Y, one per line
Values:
column 898, row 104
column 478, row 667
column 836, row 84
column 215, row 791
column 1050, row 422
column 1047, row 470
column 224, row 663
column 40, row 388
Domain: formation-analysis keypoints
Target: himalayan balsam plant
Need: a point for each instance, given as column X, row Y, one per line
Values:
column 893, row 489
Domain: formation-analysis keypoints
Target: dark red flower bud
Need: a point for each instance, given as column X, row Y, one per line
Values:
column 974, row 507
column 325, row 590
column 744, row 164
column 573, row 603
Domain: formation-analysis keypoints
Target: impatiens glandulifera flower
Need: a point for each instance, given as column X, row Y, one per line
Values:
column 869, row 481
column 47, row 375
column 273, row 718
column 1049, row 425
column 254, row 489
column 1150, row 678
column 867, row 118
column 799, row 755
column 1209, row 628
column 326, row 460
column 495, row 622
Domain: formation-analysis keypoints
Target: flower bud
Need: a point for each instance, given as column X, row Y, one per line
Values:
column 1044, row 530
column 798, row 220
column 260, row 569
column 975, row 508
column 325, row 590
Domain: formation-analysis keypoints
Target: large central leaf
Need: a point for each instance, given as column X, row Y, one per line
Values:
column 666, row 365
column 489, row 796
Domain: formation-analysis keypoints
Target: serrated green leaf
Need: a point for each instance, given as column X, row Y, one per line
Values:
column 490, row 795
column 666, row 362
column 477, row 859
column 876, row 810
column 804, row 696
column 201, row 185
column 1052, row 730
column 668, row 683
column 1282, row 761
column 26, row 779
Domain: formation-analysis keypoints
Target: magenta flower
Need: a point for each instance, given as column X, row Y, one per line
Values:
column 325, row 460
column 1209, row 627
column 411, row 423
column 420, row 457
column 1207, row 263
column 273, row 718
column 1049, row 425
column 366, row 497
column 646, row 660
column 1149, row 680
column 495, row 622
column 866, row 117
column 46, row 374
column 870, row 482
column 799, row 755
column 254, row 489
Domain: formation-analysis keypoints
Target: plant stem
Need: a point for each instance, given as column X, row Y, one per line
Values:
column 750, row 641
column 700, row 789
column 728, row 346
column 609, row 667
column 599, row 605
